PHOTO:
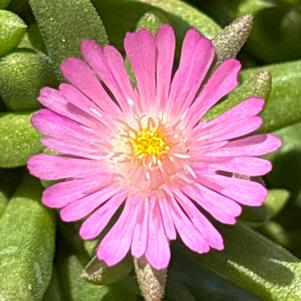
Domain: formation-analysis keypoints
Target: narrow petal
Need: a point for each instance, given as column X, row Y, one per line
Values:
column 222, row 81
column 98, row 220
column 82, row 103
column 243, row 191
column 61, row 194
column 191, row 237
column 168, row 223
column 95, row 152
column 58, row 126
column 140, row 237
column 54, row 100
column 194, row 65
column 80, row 208
column 158, row 251
column 79, row 74
column 110, row 69
column 220, row 207
column 200, row 222
column 250, row 166
column 165, row 41
column 51, row 167
column 256, row 145
column 141, row 50
column 117, row 242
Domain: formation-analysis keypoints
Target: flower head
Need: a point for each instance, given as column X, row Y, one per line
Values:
column 148, row 149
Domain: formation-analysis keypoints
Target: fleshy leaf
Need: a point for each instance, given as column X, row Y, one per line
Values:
column 230, row 40
column 12, row 28
column 98, row 272
column 23, row 73
column 64, row 24
column 27, row 235
column 256, row 264
column 18, row 139
column 189, row 281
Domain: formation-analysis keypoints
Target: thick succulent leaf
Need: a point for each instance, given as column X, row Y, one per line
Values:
column 27, row 235
column 12, row 28
column 127, row 13
column 79, row 289
column 23, row 73
column 64, row 24
column 256, row 264
column 98, row 272
column 18, row 139
column 189, row 281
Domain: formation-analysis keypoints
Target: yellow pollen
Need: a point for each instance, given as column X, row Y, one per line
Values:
column 149, row 142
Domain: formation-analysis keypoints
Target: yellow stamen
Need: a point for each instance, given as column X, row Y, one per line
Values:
column 149, row 143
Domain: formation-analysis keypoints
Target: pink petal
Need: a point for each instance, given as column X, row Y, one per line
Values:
column 194, row 65
column 247, row 108
column 220, row 207
column 54, row 100
column 80, row 208
column 251, row 166
column 50, row 167
column 200, row 222
column 140, row 236
column 141, row 50
column 158, row 251
column 117, row 242
column 58, row 126
column 79, row 74
column 256, row 145
column 165, row 42
column 192, row 238
column 243, row 191
column 81, row 102
column 98, row 220
column 83, row 150
column 228, row 130
column 110, row 69
column 168, row 223
column 222, row 81
column 63, row 193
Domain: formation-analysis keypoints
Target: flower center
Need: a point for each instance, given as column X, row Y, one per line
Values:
column 149, row 142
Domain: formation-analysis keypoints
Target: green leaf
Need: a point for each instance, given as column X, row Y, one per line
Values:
column 98, row 272
column 54, row 292
column 23, row 73
column 12, row 28
column 230, row 40
column 27, row 232
column 64, row 24
column 18, row 139
column 76, row 288
column 127, row 13
column 189, row 281
column 256, row 264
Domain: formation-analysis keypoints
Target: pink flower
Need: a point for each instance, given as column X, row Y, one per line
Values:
column 148, row 149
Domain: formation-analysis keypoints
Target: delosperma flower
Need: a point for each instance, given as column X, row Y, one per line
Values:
column 148, row 149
